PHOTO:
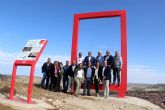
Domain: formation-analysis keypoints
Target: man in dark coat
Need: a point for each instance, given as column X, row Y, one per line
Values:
column 106, row 79
column 109, row 58
column 71, row 72
column 46, row 70
column 65, row 76
column 89, row 58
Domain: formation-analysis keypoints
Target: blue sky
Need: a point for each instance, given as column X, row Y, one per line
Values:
column 22, row 20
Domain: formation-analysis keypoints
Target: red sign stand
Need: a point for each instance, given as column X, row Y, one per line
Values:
column 31, row 63
column 107, row 14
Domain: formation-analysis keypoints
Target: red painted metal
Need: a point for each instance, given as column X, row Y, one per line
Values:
column 75, row 39
column 30, row 63
column 13, row 81
column 107, row 14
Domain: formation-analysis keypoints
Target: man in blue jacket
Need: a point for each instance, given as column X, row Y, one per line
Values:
column 89, row 72
column 100, row 60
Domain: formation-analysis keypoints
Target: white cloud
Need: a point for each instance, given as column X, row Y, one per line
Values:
column 7, row 60
column 144, row 74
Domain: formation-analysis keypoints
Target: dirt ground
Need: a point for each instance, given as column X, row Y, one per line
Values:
column 62, row 101
column 4, row 107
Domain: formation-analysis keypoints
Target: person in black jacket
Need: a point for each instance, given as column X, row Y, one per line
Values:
column 71, row 72
column 65, row 77
column 46, row 70
column 54, row 77
column 89, row 72
column 97, row 78
column 60, row 77
column 109, row 58
column 106, row 78
column 89, row 58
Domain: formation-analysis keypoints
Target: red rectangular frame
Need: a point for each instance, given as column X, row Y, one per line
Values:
column 31, row 63
column 106, row 14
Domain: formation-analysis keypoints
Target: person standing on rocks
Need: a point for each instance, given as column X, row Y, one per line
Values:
column 65, row 77
column 117, row 68
column 106, row 73
column 109, row 58
column 100, row 60
column 96, row 79
column 54, row 77
column 71, row 71
column 80, row 59
column 89, row 72
column 79, row 76
column 46, row 70
column 89, row 58
column 60, row 77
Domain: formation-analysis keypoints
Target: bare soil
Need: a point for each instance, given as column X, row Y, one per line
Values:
column 62, row 101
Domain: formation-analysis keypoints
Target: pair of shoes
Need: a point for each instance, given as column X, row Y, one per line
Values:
column 97, row 94
column 89, row 94
column 113, row 83
column 83, row 94
column 41, row 86
column 64, row 91
column 67, row 91
column 77, row 95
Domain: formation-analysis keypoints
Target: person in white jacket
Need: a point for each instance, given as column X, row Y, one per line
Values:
column 79, row 76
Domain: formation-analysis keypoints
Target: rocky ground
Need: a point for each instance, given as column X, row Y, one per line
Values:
column 156, row 97
column 61, row 101
column 4, row 107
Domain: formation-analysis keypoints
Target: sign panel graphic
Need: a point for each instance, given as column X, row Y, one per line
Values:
column 31, row 49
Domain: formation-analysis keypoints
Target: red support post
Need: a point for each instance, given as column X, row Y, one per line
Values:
column 75, row 39
column 13, row 81
column 31, row 83
column 123, row 87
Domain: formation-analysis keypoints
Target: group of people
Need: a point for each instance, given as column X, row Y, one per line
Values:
column 84, row 71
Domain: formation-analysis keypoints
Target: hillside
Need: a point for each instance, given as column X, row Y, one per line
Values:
column 61, row 101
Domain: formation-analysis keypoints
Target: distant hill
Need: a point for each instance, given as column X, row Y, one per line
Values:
column 146, row 87
column 131, row 86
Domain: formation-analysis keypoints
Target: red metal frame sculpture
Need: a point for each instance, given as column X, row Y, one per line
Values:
column 31, row 63
column 119, row 13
